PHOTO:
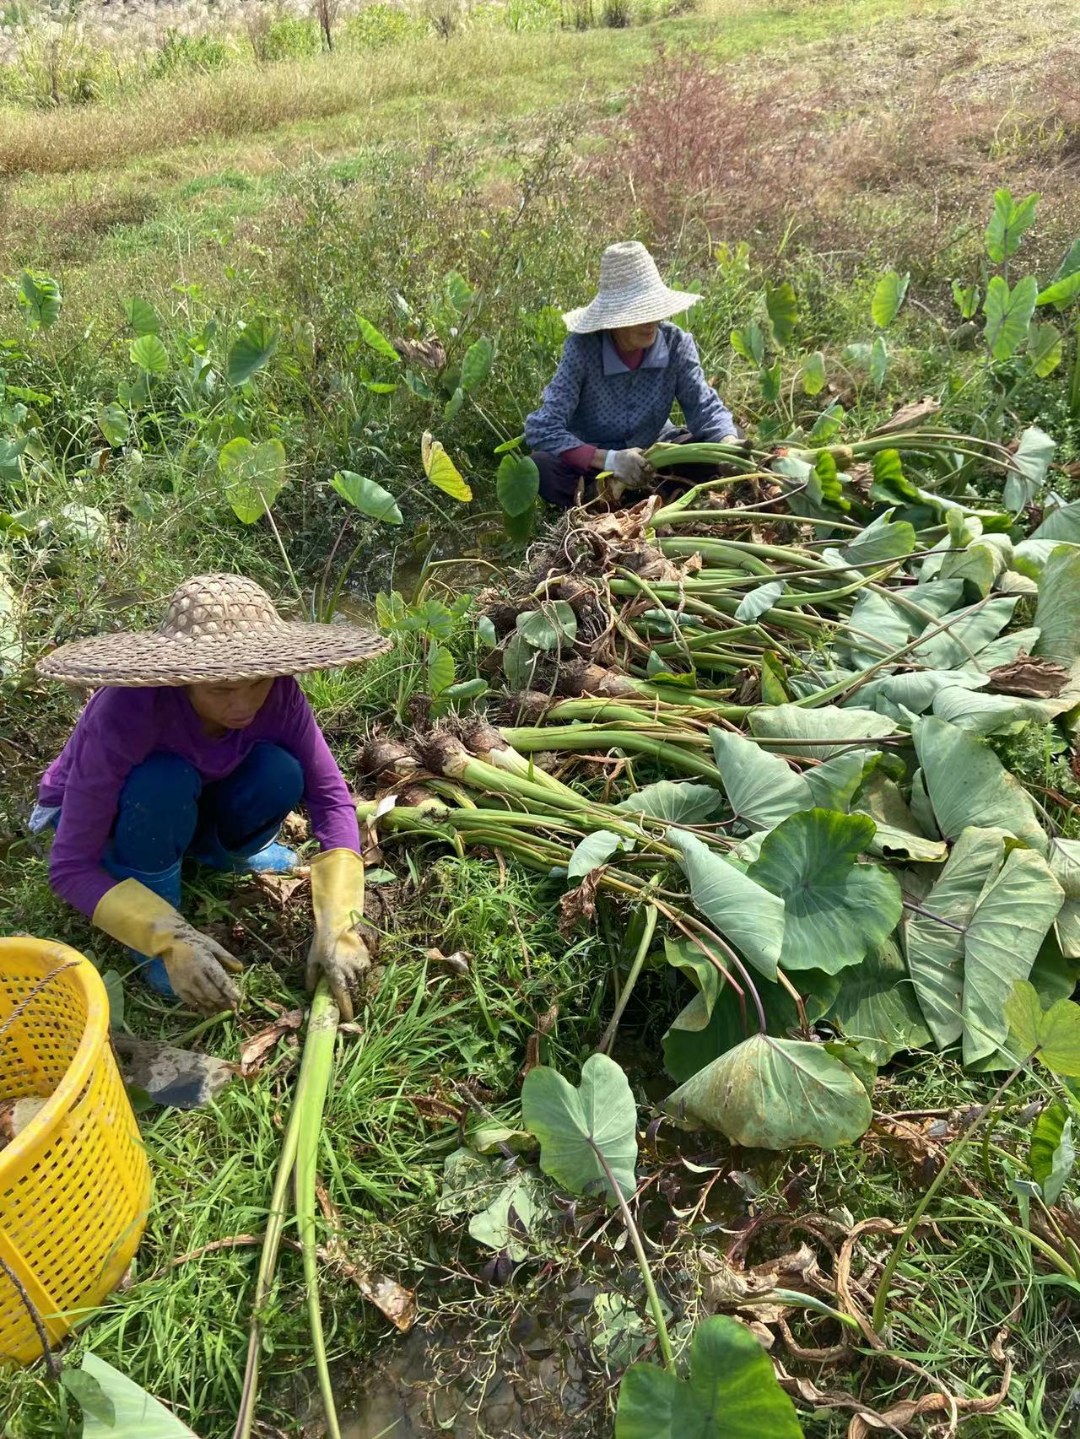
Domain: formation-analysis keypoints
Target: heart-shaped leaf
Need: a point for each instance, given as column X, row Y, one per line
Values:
column 889, row 294
column 814, row 374
column 367, row 497
column 1057, row 614
column 783, row 311
column 674, row 801
column 836, row 911
column 476, row 366
column 754, row 604
column 253, row 348
column 731, row 1392
column 740, row 910
column 150, row 355
column 137, row 1414
column 552, row 625
column 441, row 470
column 1052, row 1035
column 593, row 851
column 771, row 1093
column 876, row 1007
column 761, row 788
column 572, row 1124
column 517, row 484
column 141, row 316
column 39, row 299
column 821, row 732
column 254, row 476
column 1007, row 224
column 1052, row 1154
column 968, row 785
column 1008, row 314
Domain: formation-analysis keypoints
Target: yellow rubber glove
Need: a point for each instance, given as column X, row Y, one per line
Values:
column 337, row 898
column 196, row 964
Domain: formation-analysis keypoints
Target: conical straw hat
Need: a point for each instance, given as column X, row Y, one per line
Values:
column 216, row 628
column 631, row 293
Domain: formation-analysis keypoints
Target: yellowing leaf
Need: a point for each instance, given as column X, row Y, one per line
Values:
column 441, row 470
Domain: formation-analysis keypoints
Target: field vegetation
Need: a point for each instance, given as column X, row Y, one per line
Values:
column 252, row 257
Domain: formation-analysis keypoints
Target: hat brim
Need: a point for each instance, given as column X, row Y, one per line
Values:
column 142, row 659
column 606, row 313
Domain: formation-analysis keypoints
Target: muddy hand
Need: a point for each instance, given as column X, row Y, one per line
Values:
column 337, row 900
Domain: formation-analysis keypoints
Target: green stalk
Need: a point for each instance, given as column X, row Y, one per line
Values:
column 316, row 1068
column 627, row 990
column 581, row 737
column 275, row 1226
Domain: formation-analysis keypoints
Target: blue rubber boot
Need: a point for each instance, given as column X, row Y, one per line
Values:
column 166, row 884
column 268, row 858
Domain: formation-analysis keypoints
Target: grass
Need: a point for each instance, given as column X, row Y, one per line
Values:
column 311, row 190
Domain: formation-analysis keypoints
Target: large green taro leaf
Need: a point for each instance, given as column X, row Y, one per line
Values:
column 876, row 1007
column 934, row 933
column 572, row 1124
column 744, row 913
column 771, row 1093
column 818, row 733
column 134, row 1413
column 837, row 910
column 761, row 788
column 968, row 785
column 731, row 1392
column 1057, row 614
column 1053, row 1034
column 1014, row 911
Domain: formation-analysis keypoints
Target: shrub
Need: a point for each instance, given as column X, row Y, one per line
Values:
column 180, row 53
column 616, row 14
column 290, row 38
column 534, row 15
column 377, row 25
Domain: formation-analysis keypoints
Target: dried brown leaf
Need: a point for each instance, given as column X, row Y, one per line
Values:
column 255, row 1051
column 1030, row 677
column 908, row 415
column 578, row 905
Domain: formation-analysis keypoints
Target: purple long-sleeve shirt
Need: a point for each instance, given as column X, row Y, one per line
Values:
column 119, row 728
column 595, row 398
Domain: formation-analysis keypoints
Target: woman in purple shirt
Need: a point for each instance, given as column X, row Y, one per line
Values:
column 623, row 367
column 199, row 742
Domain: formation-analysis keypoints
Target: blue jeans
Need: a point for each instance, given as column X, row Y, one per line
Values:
column 165, row 809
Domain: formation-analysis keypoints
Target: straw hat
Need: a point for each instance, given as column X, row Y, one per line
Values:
column 217, row 627
column 631, row 293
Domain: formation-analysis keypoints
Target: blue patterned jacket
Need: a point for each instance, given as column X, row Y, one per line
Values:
column 594, row 399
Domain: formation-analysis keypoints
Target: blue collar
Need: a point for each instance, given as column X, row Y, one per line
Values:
column 656, row 357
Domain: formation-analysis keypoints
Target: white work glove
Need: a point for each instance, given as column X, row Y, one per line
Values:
column 631, row 467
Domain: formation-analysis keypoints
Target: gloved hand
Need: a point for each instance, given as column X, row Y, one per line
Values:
column 631, row 467
column 337, row 898
column 195, row 963
column 739, row 443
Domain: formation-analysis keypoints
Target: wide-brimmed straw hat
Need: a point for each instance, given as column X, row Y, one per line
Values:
column 216, row 628
column 631, row 293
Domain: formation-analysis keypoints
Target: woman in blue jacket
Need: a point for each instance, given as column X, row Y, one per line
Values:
column 623, row 367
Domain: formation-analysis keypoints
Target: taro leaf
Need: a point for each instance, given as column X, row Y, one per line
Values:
column 39, row 299
column 813, row 373
column 898, row 835
column 770, row 377
column 879, row 361
column 1008, row 314
column 519, row 662
column 150, row 355
column 440, row 669
column 1052, row 1035
column 1061, row 523
column 593, row 851
column 979, row 565
column 1053, row 1150
column 836, row 910
column 731, row 1392
column 441, row 470
column 1061, row 293
column 1028, row 468
column 968, row 785
column 771, row 1093
column 1045, row 347
column 254, row 476
column 818, row 733
column 89, row 1396
column 458, row 291
column 740, row 910
column 761, row 788
column 877, row 1008
column 749, row 343
column 476, row 366
column 507, row 1220
column 1007, row 224
column 968, row 633
column 1014, row 911
column 138, row 1416
column 376, row 340
column 552, row 625
column 572, row 1123
column 883, row 540
column 889, row 293
column 827, row 425
column 367, row 496
column 834, row 784
column 1057, row 614
column 984, row 714
column 914, row 692
column 517, row 484
column 783, row 312
column 254, row 347
column 141, row 316
column 753, row 605
column 674, row 801
column 453, row 405
column 115, row 424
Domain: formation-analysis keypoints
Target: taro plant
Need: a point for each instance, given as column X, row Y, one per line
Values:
column 588, row 1145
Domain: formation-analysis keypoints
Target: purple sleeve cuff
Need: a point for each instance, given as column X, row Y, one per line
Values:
column 579, row 458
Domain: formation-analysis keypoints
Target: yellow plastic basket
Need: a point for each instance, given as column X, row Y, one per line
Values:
column 75, row 1183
